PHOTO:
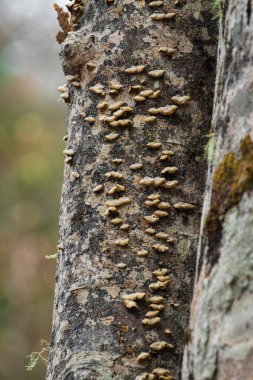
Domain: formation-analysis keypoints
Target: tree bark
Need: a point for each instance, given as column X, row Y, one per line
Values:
column 105, row 254
column 221, row 345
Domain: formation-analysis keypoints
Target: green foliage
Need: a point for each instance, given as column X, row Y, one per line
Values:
column 217, row 8
column 42, row 355
column 210, row 148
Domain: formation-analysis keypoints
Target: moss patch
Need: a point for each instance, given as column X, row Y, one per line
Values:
column 232, row 178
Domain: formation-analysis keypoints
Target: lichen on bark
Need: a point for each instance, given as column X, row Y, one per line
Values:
column 232, row 178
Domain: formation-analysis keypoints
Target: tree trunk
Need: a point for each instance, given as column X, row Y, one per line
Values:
column 221, row 344
column 119, row 133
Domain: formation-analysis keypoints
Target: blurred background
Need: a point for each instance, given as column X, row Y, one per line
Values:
column 32, row 124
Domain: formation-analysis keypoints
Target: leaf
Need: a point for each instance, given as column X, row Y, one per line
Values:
column 65, row 24
column 61, row 36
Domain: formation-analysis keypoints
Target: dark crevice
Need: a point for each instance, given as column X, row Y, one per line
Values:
column 249, row 9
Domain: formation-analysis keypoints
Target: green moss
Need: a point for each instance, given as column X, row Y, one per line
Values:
column 232, row 178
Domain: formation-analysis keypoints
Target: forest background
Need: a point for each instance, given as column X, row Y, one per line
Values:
column 32, row 124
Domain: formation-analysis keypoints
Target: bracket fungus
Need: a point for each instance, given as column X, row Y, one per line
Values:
column 115, row 106
column 162, row 16
column 113, row 174
column 151, row 219
column 116, row 221
column 154, row 145
column 111, row 137
column 160, row 272
column 183, row 206
column 98, row 89
column 160, row 248
column 116, row 189
column 118, row 202
column 181, row 100
column 152, row 314
column 167, row 51
column 161, row 213
column 155, row 4
column 157, row 286
column 156, row 73
column 156, row 299
column 121, row 242
column 135, row 69
column 151, row 322
column 160, row 345
column 143, row 356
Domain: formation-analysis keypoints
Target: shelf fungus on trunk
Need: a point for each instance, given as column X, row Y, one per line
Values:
column 139, row 97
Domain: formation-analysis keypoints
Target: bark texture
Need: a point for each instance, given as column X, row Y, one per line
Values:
column 95, row 336
column 221, row 344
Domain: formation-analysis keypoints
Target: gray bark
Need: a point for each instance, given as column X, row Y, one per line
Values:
column 221, row 345
column 94, row 335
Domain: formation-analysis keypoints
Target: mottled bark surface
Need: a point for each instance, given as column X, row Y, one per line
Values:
column 221, row 344
column 94, row 335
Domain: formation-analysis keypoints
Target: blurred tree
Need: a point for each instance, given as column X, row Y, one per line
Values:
column 221, row 345
column 31, row 127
